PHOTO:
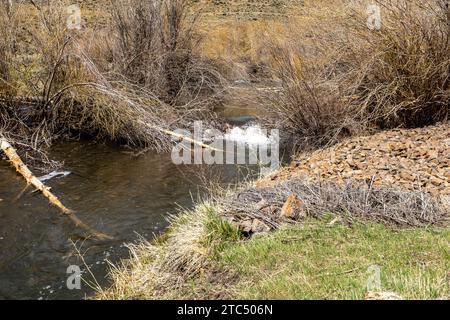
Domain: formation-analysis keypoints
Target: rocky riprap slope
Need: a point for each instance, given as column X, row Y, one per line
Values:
column 399, row 177
column 410, row 159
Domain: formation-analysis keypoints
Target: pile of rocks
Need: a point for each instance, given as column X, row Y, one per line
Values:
column 413, row 159
column 400, row 177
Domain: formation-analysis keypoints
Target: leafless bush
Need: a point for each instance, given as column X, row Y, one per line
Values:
column 339, row 77
column 154, row 48
column 306, row 109
column 402, row 74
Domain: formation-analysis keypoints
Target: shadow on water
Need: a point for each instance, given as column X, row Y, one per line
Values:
column 112, row 191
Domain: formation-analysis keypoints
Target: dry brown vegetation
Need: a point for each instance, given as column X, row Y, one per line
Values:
column 348, row 202
column 123, row 82
column 164, row 268
column 339, row 77
column 151, row 62
column 155, row 49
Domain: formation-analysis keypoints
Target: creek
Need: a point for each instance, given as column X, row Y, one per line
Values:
column 114, row 192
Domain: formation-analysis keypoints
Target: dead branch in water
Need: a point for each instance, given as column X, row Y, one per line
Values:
column 180, row 136
column 31, row 179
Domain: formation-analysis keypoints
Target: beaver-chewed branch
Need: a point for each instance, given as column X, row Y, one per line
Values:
column 31, row 179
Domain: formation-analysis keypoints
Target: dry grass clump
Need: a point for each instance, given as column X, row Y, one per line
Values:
column 165, row 267
column 339, row 77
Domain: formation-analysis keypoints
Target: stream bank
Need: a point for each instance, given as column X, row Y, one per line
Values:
column 326, row 237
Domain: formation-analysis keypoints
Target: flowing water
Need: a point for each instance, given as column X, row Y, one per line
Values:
column 124, row 196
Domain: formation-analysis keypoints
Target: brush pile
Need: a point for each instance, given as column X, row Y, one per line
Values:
column 296, row 199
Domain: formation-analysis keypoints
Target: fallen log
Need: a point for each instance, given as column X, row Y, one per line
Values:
column 180, row 136
column 32, row 180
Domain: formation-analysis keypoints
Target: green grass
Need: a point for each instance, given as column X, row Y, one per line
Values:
column 201, row 256
column 218, row 233
column 316, row 261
